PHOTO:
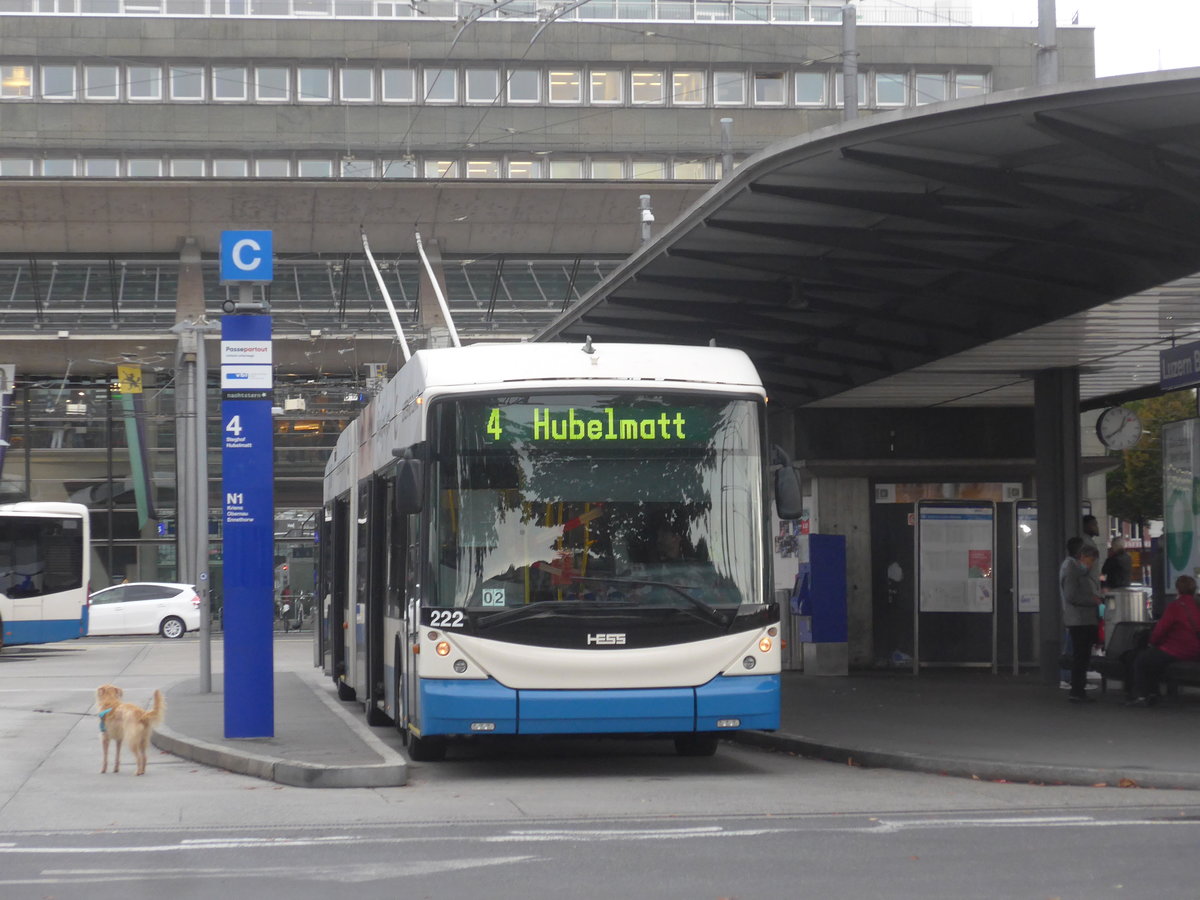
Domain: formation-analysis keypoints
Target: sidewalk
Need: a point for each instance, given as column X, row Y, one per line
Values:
column 973, row 724
column 318, row 742
column 965, row 723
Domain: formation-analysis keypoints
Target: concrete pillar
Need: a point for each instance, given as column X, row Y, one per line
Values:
column 1057, row 479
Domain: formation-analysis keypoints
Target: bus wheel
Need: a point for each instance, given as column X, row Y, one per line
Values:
column 375, row 715
column 426, row 749
column 696, row 744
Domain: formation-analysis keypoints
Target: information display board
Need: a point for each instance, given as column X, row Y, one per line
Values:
column 955, row 551
column 1026, row 542
column 955, row 566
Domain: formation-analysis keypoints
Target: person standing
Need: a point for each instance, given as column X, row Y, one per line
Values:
column 1176, row 636
column 1118, row 568
column 1080, row 600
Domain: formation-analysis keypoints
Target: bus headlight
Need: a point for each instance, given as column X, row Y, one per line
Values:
column 764, row 645
column 460, row 666
column 749, row 662
column 443, row 648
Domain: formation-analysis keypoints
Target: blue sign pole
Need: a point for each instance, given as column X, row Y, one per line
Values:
column 247, row 485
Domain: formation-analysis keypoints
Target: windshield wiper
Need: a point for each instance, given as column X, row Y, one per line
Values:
column 706, row 608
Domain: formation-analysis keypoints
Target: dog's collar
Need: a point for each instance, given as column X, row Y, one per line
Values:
column 103, row 713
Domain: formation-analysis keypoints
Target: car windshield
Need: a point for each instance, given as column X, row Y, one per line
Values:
column 618, row 500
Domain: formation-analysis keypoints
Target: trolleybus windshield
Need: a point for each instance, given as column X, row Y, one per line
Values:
column 605, row 500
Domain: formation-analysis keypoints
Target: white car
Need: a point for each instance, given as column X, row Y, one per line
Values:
column 171, row 610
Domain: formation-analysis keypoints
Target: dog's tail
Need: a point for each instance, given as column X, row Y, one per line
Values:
column 154, row 715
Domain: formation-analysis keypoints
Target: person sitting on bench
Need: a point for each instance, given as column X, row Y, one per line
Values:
column 1175, row 637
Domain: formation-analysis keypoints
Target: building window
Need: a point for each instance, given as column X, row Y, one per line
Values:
column 58, row 82
column 566, row 168
column 967, row 84
column 729, row 88
column 187, row 82
column 271, row 84
column 187, row 168
column 229, row 83
column 931, row 87
column 689, row 170
column 16, row 81
column 483, row 85
column 229, row 168
column 400, row 168
column 102, row 167
column 314, row 168
column 608, row 169
column 524, row 86
column 358, row 168
column 483, row 168
column 272, row 168
column 524, row 168
column 314, row 85
column 445, row 168
column 606, row 86
column 144, row 83
column 839, row 83
column 441, row 85
column 649, row 170
column 357, row 85
column 769, row 89
column 14, row 166
column 58, row 168
column 101, row 83
column 890, row 89
column 399, row 86
column 810, row 89
column 144, row 168
column 646, row 88
column 687, row 88
column 566, row 86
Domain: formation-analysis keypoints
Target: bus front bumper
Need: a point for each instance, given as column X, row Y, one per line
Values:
column 454, row 707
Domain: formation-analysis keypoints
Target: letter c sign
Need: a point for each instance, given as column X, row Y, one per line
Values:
column 247, row 256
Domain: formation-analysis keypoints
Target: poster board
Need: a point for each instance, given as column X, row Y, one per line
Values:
column 1026, row 569
column 955, row 567
column 1181, row 498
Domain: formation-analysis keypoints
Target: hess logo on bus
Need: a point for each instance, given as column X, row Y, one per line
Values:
column 606, row 640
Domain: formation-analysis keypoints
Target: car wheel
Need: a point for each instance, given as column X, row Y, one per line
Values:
column 172, row 628
column 696, row 744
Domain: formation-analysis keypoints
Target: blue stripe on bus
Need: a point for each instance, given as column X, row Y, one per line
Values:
column 43, row 631
column 450, row 707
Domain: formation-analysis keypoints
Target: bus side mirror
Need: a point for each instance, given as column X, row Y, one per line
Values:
column 408, row 485
column 789, row 496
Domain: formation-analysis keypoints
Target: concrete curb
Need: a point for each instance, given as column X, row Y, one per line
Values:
column 985, row 770
column 281, row 771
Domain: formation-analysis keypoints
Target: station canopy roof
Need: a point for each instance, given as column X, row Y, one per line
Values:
column 940, row 257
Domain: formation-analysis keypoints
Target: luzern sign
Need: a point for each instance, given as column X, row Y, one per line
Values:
column 1179, row 367
column 247, row 485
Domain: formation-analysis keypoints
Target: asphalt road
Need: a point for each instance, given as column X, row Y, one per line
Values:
column 550, row 819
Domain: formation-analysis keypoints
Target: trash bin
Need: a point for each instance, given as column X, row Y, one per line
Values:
column 1131, row 604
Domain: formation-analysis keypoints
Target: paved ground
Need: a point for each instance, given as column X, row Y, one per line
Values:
column 964, row 723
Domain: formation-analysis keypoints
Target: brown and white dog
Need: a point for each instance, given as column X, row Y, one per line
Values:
column 126, row 723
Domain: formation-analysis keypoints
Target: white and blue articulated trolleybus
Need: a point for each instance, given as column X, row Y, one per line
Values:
column 537, row 539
